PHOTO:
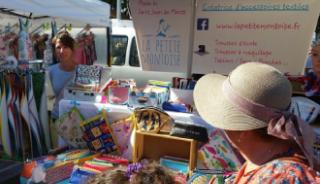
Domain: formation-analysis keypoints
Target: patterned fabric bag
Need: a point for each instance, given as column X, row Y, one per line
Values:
column 68, row 127
column 89, row 76
column 99, row 135
column 199, row 177
column 181, row 129
column 118, row 95
column 122, row 130
column 59, row 173
column 218, row 153
column 151, row 119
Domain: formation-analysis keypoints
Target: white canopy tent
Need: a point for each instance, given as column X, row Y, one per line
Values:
column 78, row 13
column 93, row 12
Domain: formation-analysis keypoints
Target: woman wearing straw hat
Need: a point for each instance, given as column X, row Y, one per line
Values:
column 251, row 106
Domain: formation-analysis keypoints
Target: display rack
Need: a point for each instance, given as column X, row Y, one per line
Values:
column 154, row 146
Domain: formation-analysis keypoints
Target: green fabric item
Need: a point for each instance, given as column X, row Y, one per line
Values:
column 38, row 80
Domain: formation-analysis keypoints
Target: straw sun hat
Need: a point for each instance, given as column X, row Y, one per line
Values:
column 259, row 83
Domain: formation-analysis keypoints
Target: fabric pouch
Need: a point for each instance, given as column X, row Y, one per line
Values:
column 151, row 119
column 68, row 127
column 114, row 159
column 118, row 95
column 304, row 108
column 59, row 173
column 88, row 75
column 176, row 107
column 138, row 98
column 122, row 129
column 218, row 153
column 99, row 135
column 199, row 177
column 80, row 176
column 189, row 131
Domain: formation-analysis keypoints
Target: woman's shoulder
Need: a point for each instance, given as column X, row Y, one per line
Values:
column 288, row 170
column 287, row 162
column 53, row 67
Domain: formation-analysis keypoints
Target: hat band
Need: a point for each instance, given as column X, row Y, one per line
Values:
column 281, row 124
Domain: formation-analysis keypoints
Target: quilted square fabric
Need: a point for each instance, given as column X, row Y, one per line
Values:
column 218, row 153
column 68, row 127
column 123, row 130
column 99, row 135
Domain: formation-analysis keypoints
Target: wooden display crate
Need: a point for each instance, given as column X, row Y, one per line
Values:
column 153, row 146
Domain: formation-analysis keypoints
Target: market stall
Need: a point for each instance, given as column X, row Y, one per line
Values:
column 93, row 12
column 104, row 122
column 26, row 30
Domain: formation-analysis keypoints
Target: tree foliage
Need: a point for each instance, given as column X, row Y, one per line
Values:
column 124, row 8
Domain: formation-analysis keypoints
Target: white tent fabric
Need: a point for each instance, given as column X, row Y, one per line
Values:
column 93, row 12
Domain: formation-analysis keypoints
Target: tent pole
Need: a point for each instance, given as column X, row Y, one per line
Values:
column 118, row 9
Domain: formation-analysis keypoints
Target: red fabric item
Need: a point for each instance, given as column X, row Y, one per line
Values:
column 97, row 167
column 27, row 169
column 79, row 55
column 113, row 159
column 59, row 173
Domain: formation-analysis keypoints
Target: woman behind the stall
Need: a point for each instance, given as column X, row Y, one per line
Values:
column 60, row 74
column 251, row 105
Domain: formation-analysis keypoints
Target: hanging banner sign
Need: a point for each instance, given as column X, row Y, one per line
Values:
column 163, row 29
column 231, row 32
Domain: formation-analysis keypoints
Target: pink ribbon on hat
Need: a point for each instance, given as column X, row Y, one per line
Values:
column 281, row 124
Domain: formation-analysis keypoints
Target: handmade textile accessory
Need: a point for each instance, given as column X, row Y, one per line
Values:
column 68, row 127
column 88, row 76
column 97, row 166
column 133, row 168
column 138, row 98
column 199, row 177
column 122, row 129
column 175, row 164
column 115, row 160
column 59, row 173
column 99, row 135
column 158, row 92
column 77, row 154
column 118, row 95
column 151, row 119
column 118, row 91
column 181, row 129
column 218, row 153
column 177, row 107
column 81, row 175
column 253, row 96
column 305, row 108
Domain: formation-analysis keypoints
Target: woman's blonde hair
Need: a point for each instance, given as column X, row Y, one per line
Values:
column 151, row 173
column 117, row 176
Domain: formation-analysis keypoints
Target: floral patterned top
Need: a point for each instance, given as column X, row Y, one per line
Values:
column 311, row 84
column 289, row 170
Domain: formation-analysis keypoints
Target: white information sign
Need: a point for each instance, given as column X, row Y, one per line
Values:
column 231, row 32
column 163, row 29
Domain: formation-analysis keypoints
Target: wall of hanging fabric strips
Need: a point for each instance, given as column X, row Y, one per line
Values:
column 24, row 119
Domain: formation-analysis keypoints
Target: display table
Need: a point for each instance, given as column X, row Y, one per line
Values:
column 90, row 109
column 154, row 146
column 115, row 112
